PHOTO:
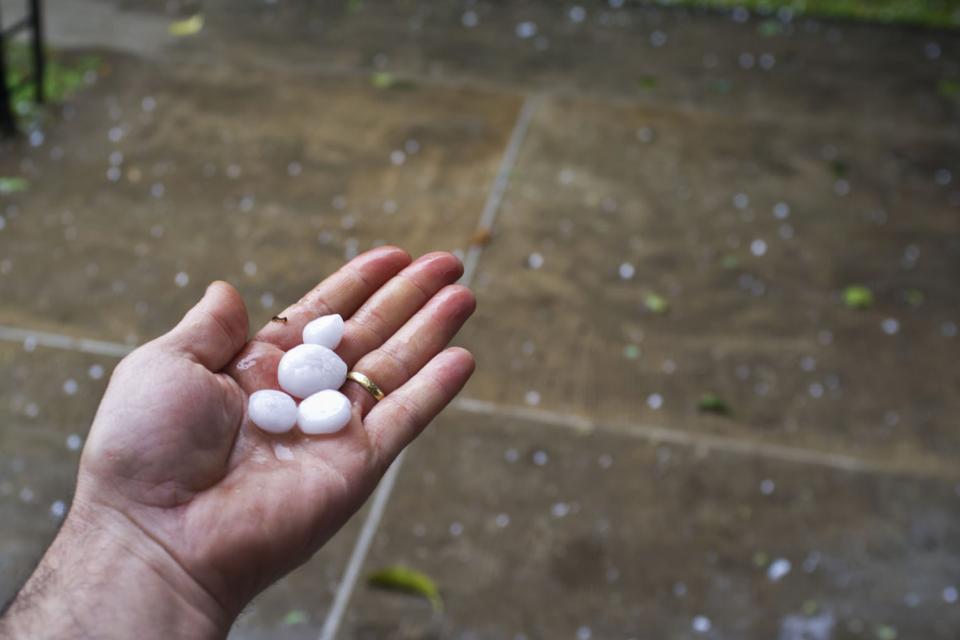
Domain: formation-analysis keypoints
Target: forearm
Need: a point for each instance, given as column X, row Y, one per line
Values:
column 108, row 580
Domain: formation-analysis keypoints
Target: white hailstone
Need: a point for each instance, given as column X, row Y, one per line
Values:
column 95, row 371
column 658, row 39
column 655, row 401
column 58, row 509
column 397, row 157
column 148, row 104
column 502, row 520
column 781, row 211
column 758, row 247
column 577, row 14
column 325, row 331
column 325, row 412
column 272, row 410
column 70, row 387
column 778, row 569
column 250, row 268
column 701, row 624
column 741, row 201
column 294, row 169
column 767, row 487
column 181, row 279
column 532, row 398
column 535, row 261
column 950, row 595
column 627, row 271
column 470, row 19
column 890, row 326
column 526, row 30
column 584, row 633
column 74, row 441
column 309, row 368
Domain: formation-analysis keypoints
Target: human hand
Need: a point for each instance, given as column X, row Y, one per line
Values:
column 184, row 510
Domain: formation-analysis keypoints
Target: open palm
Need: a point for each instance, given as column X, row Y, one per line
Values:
column 173, row 453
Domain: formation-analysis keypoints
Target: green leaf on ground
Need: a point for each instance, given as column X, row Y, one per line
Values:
column 189, row 27
column 293, row 617
column 13, row 185
column 857, row 297
column 729, row 261
column 712, row 403
column 769, row 28
column 647, row 83
column 885, row 632
column 839, row 168
column 949, row 88
column 721, row 86
column 656, row 303
column 914, row 297
column 400, row 578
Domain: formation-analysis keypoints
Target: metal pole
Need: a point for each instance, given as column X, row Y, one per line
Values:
column 8, row 124
column 39, row 60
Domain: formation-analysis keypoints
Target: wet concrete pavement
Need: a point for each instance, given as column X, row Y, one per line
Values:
column 690, row 199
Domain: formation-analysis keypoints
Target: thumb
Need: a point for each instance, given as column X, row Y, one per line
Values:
column 214, row 330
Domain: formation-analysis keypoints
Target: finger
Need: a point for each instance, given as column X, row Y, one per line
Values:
column 343, row 292
column 396, row 302
column 400, row 417
column 214, row 330
column 410, row 348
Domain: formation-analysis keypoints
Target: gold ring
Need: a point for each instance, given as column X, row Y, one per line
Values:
column 367, row 384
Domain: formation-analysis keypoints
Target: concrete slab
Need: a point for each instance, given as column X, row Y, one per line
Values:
column 534, row 532
column 158, row 180
column 749, row 236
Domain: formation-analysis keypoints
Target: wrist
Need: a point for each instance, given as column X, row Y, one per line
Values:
column 104, row 577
